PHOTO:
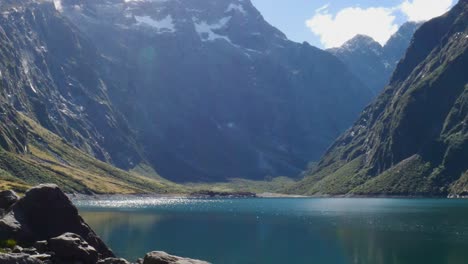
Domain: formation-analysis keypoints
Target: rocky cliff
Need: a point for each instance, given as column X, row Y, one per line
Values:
column 48, row 71
column 413, row 140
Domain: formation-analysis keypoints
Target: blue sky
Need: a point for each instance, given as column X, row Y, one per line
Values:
column 328, row 23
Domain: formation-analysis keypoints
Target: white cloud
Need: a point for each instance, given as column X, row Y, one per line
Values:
column 421, row 10
column 376, row 22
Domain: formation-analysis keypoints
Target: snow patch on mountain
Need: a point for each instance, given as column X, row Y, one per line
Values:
column 164, row 25
column 58, row 5
column 27, row 71
column 206, row 31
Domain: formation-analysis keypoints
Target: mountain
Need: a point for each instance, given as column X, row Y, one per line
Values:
column 212, row 90
column 56, row 116
column 48, row 73
column 413, row 140
column 372, row 62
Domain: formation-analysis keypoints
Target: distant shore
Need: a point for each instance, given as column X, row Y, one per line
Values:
column 77, row 196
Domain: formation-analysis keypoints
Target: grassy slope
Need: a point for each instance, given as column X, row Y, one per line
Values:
column 50, row 159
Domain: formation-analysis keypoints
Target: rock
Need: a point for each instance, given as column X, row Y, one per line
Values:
column 30, row 251
column 159, row 257
column 19, row 259
column 17, row 249
column 46, row 212
column 47, row 220
column 72, row 247
column 46, row 258
column 41, row 246
column 7, row 250
column 7, row 199
column 113, row 261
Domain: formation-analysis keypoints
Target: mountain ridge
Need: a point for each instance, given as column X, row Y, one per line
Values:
column 372, row 62
column 245, row 95
column 413, row 139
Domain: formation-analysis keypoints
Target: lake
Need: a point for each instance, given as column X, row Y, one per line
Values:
column 285, row 230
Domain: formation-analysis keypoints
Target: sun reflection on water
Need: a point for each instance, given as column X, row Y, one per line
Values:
column 140, row 202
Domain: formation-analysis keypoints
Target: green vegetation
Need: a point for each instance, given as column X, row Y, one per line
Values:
column 275, row 185
column 341, row 181
column 49, row 159
column 410, row 177
column 413, row 140
column 9, row 243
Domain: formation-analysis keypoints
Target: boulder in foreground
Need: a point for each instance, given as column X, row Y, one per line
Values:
column 44, row 227
column 46, row 212
column 7, row 199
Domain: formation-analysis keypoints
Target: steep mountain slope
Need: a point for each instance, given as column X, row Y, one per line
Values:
column 214, row 91
column 413, row 140
column 30, row 155
column 373, row 63
column 47, row 81
column 47, row 71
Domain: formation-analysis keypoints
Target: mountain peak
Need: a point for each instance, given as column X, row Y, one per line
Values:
column 234, row 22
column 362, row 43
column 413, row 140
column 371, row 62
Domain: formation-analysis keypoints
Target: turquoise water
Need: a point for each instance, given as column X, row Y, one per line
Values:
column 274, row 231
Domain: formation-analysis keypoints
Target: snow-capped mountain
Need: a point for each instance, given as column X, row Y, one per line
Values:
column 413, row 139
column 201, row 90
column 236, row 22
column 372, row 62
column 213, row 91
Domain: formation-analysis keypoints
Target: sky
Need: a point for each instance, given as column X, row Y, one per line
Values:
column 330, row 23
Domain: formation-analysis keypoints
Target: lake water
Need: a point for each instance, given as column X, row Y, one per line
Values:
column 286, row 231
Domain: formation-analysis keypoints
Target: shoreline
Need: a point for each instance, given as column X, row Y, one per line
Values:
column 267, row 195
column 44, row 227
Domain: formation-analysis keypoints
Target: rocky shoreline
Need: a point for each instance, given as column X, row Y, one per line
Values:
column 44, row 227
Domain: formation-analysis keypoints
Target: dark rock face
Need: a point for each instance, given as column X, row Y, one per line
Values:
column 7, row 199
column 214, row 91
column 46, row 212
column 413, row 140
column 372, row 62
column 158, row 257
column 71, row 247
